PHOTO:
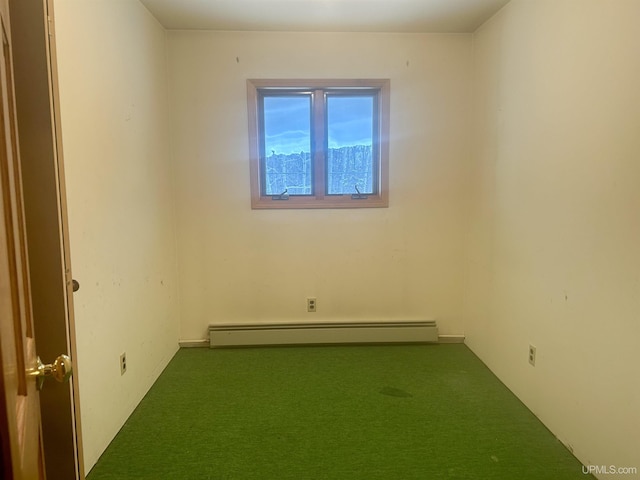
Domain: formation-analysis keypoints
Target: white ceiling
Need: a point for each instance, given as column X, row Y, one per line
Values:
column 421, row 16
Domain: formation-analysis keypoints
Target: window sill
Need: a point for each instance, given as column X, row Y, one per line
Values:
column 344, row 201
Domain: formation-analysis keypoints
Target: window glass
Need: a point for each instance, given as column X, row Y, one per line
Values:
column 287, row 145
column 350, row 143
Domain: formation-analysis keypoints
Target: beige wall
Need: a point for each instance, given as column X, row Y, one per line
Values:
column 403, row 262
column 554, row 256
column 120, row 201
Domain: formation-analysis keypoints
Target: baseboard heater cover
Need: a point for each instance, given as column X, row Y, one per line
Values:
column 237, row 335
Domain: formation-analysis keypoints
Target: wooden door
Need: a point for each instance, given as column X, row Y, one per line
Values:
column 22, row 455
column 40, row 144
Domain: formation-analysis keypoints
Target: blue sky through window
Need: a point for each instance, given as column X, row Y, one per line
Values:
column 350, row 121
column 287, row 122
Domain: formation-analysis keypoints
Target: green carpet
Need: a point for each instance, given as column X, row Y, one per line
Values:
column 356, row 412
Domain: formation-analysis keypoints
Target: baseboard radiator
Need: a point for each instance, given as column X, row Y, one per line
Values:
column 238, row 335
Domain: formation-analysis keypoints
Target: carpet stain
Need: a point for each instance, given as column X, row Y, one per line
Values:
column 395, row 392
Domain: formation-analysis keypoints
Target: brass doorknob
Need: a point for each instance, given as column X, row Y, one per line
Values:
column 61, row 370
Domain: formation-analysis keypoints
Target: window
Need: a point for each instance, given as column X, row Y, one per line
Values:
column 318, row 143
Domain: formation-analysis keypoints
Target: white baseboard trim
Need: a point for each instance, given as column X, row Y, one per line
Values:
column 236, row 335
column 202, row 343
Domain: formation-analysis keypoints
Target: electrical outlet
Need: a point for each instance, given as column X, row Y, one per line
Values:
column 123, row 364
column 532, row 355
column 311, row 304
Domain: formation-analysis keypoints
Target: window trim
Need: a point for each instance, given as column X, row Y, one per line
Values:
column 380, row 199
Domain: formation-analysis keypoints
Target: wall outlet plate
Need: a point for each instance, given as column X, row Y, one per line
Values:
column 123, row 364
column 311, row 304
column 532, row 355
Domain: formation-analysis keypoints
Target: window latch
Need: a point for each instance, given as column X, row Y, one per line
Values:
column 358, row 196
column 283, row 196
